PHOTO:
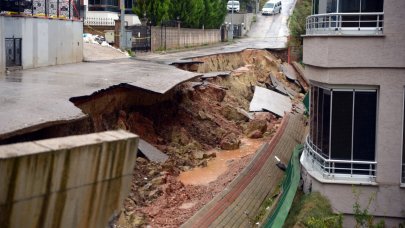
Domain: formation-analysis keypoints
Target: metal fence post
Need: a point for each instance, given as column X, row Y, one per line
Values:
column 57, row 8
column 46, row 8
column 80, row 8
column 165, row 37
column 32, row 7
column 70, row 8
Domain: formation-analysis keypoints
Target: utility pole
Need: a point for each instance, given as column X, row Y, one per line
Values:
column 230, row 35
column 122, row 30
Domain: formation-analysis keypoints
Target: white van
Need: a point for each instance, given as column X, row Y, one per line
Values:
column 271, row 7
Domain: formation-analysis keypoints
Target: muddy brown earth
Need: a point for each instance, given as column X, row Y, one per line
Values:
column 200, row 117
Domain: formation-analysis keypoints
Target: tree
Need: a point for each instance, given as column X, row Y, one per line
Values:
column 191, row 13
column 155, row 10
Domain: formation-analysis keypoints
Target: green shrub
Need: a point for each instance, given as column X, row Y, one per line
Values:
column 312, row 210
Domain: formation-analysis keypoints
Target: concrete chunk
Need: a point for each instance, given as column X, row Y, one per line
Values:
column 265, row 99
column 151, row 152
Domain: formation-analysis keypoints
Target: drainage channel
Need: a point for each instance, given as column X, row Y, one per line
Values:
column 192, row 124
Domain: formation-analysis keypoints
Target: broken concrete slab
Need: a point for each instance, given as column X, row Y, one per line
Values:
column 302, row 79
column 216, row 74
column 265, row 99
column 151, row 152
column 289, row 71
column 279, row 86
column 44, row 93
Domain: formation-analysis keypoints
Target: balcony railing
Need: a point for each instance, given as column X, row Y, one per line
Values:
column 345, row 24
column 342, row 170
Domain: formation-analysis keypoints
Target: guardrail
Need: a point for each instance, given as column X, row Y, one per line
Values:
column 345, row 24
column 340, row 169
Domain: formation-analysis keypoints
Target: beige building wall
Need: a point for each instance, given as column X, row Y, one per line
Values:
column 387, row 50
column 368, row 61
column 77, row 181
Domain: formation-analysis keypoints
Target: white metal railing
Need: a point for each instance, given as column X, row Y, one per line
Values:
column 345, row 24
column 99, row 21
column 340, row 169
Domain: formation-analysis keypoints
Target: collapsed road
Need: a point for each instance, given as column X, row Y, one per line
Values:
column 192, row 111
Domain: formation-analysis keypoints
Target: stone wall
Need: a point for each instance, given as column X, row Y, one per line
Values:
column 76, row 181
column 176, row 38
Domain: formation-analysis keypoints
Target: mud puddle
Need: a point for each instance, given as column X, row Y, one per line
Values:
column 219, row 165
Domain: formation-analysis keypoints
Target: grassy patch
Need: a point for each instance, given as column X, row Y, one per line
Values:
column 312, row 210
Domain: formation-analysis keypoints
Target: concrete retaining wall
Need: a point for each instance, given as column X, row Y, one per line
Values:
column 45, row 42
column 237, row 19
column 77, row 181
column 175, row 38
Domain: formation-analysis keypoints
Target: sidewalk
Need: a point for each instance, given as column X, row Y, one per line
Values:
column 239, row 203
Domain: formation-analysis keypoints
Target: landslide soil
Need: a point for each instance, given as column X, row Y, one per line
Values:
column 203, row 115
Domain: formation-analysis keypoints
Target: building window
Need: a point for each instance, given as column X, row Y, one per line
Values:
column 347, row 6
column 343, row 128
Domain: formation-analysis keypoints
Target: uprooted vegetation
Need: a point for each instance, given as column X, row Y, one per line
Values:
column 186, row 124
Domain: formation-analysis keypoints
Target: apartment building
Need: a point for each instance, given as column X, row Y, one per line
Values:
column 354, row 52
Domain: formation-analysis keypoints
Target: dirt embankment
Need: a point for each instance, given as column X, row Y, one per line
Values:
column 187, row 124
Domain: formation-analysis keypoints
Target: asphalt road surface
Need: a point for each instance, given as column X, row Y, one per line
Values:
column 31, row 99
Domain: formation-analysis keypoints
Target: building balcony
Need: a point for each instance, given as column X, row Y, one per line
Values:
column 349, row 24
column 337, row 171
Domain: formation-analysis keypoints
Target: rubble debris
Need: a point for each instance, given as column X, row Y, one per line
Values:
column 248, row 115
column 256, row 128
column 301, row 76
column 203, row 115
column 230, row 142
column 289, row 72
column 265, row 99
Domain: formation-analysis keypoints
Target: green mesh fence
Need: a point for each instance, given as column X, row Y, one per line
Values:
column 289, row 188
column 306, row 102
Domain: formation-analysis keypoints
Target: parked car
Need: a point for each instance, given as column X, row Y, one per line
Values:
column 233, row 5
column 271, row 7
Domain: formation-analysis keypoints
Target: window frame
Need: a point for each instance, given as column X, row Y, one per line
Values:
column 353, row 89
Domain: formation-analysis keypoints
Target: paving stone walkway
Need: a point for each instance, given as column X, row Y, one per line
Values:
column 239, row 203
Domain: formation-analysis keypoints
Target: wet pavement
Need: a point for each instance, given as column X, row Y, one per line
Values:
column 268, row 32
column 40, row 97
column 32, row 99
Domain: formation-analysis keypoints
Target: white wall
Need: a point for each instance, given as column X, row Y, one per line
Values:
column 45, row 42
